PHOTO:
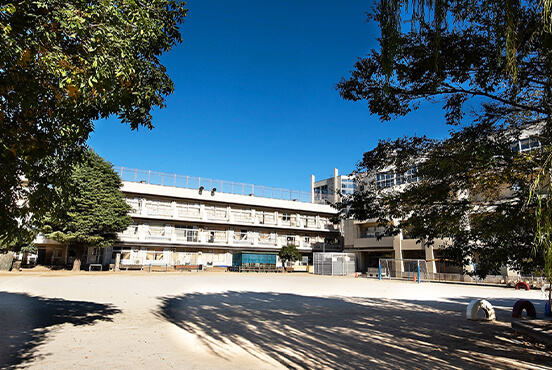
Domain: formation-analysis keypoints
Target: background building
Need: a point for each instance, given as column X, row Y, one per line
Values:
column 330, row 190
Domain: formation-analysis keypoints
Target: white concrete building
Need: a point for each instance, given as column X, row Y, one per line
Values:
column 181, row 220
column 330, row 190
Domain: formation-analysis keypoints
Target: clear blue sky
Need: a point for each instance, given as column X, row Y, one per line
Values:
column 255, row 100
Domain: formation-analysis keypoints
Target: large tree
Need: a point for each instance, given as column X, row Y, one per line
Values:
column 92, row 210
column 491, row 59
column 63, row 65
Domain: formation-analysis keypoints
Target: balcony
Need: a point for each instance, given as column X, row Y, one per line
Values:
column 243, row 238
column 216, row 236
column 188, row 210
column 186, row 235
column 158, row 233
column 245, row 216
column 369, row 242
column 217, row 213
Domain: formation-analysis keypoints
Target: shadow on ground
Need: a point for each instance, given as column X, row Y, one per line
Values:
column 26, row 320
column 352, row 333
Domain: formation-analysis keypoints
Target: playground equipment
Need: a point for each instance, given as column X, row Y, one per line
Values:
column 476, row 305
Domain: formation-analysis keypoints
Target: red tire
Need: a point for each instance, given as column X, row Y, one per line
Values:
column 522, row 284
column 524, row 304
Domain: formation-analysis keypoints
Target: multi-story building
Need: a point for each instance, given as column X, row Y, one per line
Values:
column 182, row 220
column 330, row 190
column 362, row 237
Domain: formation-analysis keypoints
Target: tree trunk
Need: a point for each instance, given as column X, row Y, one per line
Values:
column 78, row 257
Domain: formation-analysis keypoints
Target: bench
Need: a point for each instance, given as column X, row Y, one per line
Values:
column 95, row 265
column 189, row 268
column 156, row 267
column 131, row 267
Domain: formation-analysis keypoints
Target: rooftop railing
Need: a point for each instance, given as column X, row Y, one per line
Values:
column 228, row 187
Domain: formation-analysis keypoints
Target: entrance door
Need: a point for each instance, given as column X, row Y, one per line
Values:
column 41, row 256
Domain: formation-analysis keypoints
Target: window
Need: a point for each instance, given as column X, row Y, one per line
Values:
column 186, row 233
column 321, row 189
column 290, row 240
column 286, row 217
column 525, row 145
column 389, row 179
column 154, row 255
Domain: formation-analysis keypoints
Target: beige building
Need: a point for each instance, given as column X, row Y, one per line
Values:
column 181, row 220
column 361, row 238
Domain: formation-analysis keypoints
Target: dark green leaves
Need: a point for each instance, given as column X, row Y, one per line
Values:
column 63, row 65
column 93, row 209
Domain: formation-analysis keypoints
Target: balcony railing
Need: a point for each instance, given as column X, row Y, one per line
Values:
column 229, row 187
column 188, row 210
column 159, row 210
column 242, row 216
column 243, row 238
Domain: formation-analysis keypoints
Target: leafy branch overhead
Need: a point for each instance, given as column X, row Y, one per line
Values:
column 488, row 64
column 63, row 65
column 458, row 52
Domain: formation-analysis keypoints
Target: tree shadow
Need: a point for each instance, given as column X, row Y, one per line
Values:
column 26, row 320
column 351, row 333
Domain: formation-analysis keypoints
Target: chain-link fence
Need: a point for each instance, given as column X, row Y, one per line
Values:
column 334, row 263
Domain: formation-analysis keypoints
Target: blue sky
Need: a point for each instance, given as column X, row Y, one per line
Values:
column 255, row 100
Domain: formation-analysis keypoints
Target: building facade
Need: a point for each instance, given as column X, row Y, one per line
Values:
column 330, row 190
column 181, row 225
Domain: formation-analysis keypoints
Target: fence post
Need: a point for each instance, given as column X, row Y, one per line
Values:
column 379, row 268
column 419, row 272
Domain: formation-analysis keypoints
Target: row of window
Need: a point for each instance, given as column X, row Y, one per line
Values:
column 193, row 210
column 390, row 179
column 195, row 234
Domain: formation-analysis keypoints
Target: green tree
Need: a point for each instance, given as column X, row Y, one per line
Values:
column 488, row 58
column 93, row 210
column 460, row 189
column 289, row 253
column 63, row 65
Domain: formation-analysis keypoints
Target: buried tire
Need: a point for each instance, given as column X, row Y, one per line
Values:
column 524, row 304
column 522, row 285
column 480, row 304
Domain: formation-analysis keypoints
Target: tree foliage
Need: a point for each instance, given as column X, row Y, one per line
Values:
column 289, row 253
column 93, row 209
column 491, row 53
column 473, row 191
column 63, row 65
column 490, row 59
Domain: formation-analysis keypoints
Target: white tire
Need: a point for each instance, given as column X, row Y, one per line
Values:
column 476, row 305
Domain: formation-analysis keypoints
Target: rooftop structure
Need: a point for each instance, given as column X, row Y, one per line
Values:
column 207, row 184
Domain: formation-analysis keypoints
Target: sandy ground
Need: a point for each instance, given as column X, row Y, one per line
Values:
column 254, row 321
